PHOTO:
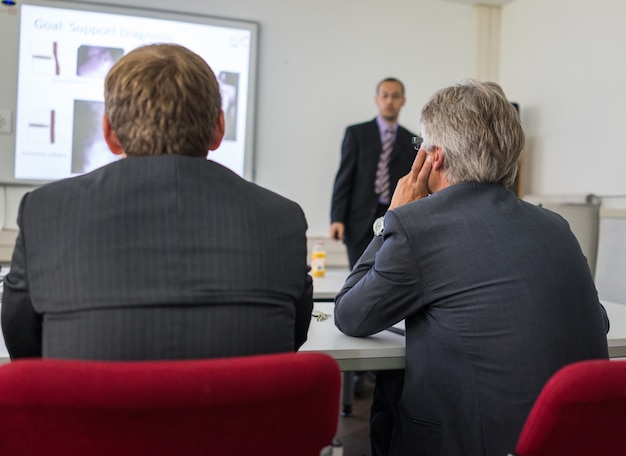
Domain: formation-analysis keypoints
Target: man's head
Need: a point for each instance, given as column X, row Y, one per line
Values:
column 162, row 99
column 474, row 132
column 389, row 99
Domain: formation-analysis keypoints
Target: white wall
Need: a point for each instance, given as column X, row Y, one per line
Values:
column 319, row 63
column 564, row 62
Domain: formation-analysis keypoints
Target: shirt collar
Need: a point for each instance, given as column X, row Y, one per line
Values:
column 383, row 126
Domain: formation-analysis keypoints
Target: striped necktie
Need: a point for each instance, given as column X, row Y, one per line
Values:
column 382, row 172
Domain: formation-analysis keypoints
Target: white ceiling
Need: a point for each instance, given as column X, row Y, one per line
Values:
column 483, row 2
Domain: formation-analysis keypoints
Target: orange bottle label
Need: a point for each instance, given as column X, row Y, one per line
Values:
column 318, row 264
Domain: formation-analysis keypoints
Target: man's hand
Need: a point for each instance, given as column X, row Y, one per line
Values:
column 336, row 231
column 413, row 186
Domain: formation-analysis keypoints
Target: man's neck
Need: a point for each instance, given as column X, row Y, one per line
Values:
column 391, row 123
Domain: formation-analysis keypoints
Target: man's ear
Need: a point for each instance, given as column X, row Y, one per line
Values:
column 111, row 138
column 218, row 133
column 437, row 158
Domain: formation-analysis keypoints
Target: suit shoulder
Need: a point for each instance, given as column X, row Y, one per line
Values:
column 280, row 208
column 370, row 124
column 406, row 132
column 263, row 196
column 70, row 183
column 271, row 195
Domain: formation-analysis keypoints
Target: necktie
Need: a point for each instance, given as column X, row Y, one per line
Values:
column 382, row 172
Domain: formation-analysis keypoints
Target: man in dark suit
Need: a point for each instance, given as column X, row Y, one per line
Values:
column 163, row 254
column 374, row 155
column 495, row 292
column 357, row 199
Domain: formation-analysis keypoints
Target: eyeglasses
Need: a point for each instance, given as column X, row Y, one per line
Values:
column 417, row 142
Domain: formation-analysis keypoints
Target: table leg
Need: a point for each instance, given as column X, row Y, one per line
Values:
column 347, row 393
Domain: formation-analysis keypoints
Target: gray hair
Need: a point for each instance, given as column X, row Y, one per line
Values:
column 479, row 131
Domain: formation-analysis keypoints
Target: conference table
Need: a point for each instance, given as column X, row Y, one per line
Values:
column 384, row 347
column 616, row 336
column 382, row 351
column 326, row 288
column 386, row 350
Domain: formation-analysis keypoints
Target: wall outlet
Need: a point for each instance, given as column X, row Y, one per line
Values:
column 6, row 124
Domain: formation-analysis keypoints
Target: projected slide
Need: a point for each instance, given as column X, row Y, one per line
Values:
column 64, row 56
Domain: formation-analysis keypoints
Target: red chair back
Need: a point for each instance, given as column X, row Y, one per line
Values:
column 580, row 411
column 279, row 404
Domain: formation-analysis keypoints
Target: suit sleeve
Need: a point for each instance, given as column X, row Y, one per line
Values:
column 345, row 178
column 304, row 307
column 21, row 324
column 384, row 286
column 605, row 318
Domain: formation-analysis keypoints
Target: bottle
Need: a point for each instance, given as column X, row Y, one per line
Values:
column 318, row 260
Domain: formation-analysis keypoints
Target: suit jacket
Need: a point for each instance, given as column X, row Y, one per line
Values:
column 496, row 296
column 157, row 257
column 354, row 201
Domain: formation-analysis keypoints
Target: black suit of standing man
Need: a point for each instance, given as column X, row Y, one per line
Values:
column 163, row 254
column 355, row 203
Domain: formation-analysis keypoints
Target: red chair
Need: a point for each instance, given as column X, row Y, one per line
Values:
column 580, row 411
column 280, row 404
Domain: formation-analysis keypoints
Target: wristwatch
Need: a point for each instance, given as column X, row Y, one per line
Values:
column 379, row 226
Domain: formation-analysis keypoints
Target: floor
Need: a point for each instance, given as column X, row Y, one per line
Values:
column 353, row 431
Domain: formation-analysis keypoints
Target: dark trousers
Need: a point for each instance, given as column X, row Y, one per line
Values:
column 356, row 247
column 385, row 421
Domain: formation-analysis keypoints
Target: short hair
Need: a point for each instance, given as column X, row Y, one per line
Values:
column 162, row 99
column 390, row 80
column 479, row 131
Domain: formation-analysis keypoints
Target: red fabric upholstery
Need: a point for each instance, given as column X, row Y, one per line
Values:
column 580, row 411
column 281, row 404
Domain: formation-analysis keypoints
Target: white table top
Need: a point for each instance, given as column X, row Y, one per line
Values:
column 4, row 354
column 617, row 332
column 385, row 350
column 326, row 288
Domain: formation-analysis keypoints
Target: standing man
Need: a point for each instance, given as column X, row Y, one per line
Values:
column 374, row 155
column 163, row 254
column 496, row 293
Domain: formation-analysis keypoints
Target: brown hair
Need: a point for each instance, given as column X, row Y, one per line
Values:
column 162, row 99
column 389, row 80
